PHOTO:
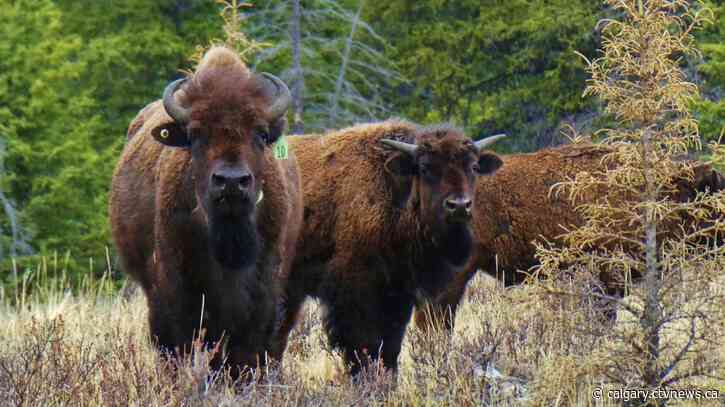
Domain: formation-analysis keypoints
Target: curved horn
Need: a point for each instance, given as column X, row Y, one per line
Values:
column 481, row 144
column 172, row 107
column 283, row 97
column 399, row 145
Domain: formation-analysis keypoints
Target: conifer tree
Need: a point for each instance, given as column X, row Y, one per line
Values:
column 669, row 324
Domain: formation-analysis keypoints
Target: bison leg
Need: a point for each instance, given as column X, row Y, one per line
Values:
column 440, row 312
column 363, row 341
column 173, row 318
column 166, row 329
column 292, row 308
column 368, row 325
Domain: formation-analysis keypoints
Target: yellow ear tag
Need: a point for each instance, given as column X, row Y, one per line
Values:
column 281, row 149
column 164, row 133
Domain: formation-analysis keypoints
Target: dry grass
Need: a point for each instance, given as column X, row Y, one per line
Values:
column 510, row 347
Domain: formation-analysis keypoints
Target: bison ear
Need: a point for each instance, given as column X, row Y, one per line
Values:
column 171, row 134
column 401, row 169
column 488, row 163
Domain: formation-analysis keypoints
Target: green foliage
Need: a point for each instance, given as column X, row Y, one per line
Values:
column 491, row 66
column 41, row 116
column 72, row 75
column 710, row 109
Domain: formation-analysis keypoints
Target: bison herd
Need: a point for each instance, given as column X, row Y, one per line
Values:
column 228, row 233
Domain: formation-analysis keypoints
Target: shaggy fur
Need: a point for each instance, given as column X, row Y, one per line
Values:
column 514, row 207
column 190, row 252
column 364, row 257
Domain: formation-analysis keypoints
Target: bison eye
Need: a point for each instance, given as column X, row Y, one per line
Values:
column 475, row 167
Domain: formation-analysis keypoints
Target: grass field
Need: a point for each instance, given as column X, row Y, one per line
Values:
column 510, row 347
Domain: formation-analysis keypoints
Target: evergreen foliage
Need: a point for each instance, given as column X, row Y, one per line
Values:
column 710, row 108
column 492, row 66
column 73, row 73
column 72, row 76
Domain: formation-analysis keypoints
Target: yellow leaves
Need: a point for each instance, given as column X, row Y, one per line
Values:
column 647, row 213
column 235, row 38
column 638, row 77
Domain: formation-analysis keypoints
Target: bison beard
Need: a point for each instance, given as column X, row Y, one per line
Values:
column 457, row 244
column 442, row 256
column 234, row 242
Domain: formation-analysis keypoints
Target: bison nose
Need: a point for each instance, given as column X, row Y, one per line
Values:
column 231, row 180
column 458, row 205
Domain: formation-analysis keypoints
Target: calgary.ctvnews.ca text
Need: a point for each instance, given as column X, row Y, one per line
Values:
column 656, row 394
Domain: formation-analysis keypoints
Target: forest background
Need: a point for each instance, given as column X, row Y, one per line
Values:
column 73, row 73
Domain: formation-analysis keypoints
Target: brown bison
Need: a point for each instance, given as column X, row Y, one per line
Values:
column 514, row 207
column 204, row 216
column 387, row 219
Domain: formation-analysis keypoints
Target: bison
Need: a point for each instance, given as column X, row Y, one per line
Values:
column 204, row 215
column 515, row 207
column 386, row 220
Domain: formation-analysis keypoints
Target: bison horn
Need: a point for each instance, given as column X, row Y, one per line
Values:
column 399, row 145
column 481, row 144
column 283, row 97
column 172, row 107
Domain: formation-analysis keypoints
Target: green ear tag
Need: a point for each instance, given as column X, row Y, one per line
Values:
column 281, row 149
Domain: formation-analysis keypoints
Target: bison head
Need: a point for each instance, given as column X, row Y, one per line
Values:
column 226, row 117
column 440, row 168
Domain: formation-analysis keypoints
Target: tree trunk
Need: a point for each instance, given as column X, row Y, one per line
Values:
column 18, row 245
column 652, row 277
column 298, row 81
column 343, row 67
